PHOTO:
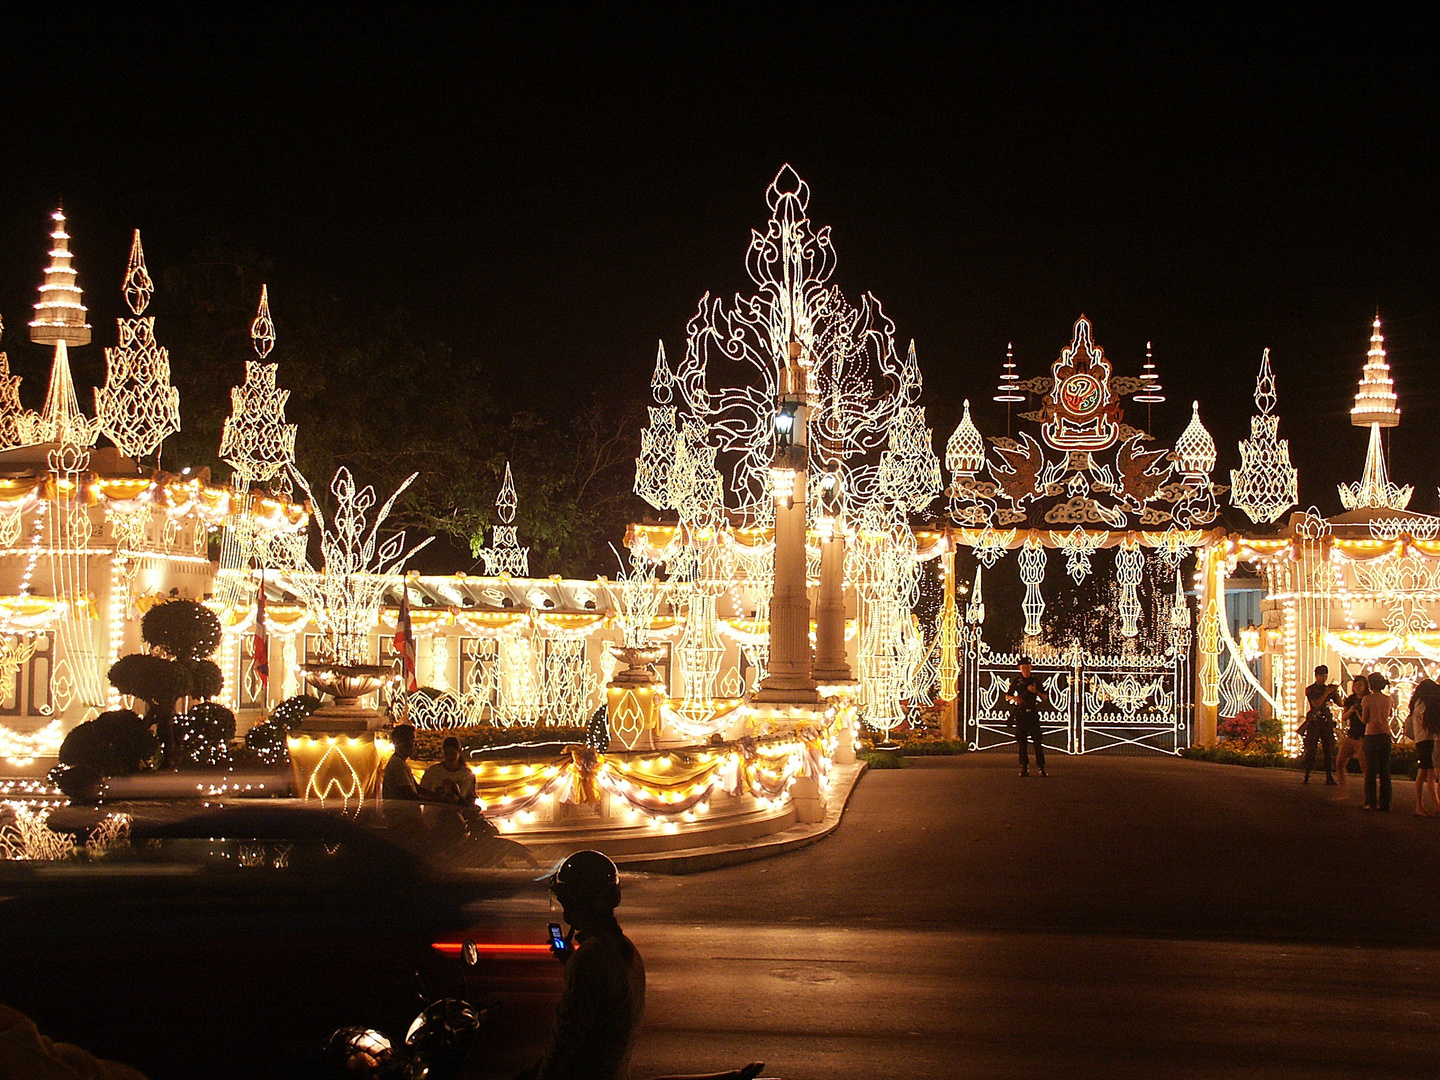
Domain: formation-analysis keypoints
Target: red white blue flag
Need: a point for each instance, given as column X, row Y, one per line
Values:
column 260, row 650
column 405, row 640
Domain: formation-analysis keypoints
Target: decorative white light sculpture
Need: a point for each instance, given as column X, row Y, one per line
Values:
column 256, row 441
column 1195, row 449
column 60, row 311
column 137, row 408
column 344, row 593
column 965, row 452
column 1031, row 557
column 1376, row 406
column 1266, row 484
column 16, row 422
column 505, row 555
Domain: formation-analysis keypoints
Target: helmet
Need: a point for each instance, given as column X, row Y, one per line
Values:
column 587, row 879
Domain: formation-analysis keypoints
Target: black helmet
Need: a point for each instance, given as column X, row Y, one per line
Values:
column 587, row 879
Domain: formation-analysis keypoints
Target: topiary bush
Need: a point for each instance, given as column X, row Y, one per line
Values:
column 182, row 634
column 266, row 740
column 115, row 743
column 203, row 737
column 293, row 710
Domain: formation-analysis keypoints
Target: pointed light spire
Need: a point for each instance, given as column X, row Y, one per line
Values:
column 1266, row 484
column 1375, row 401
column 138, row 286
column 1376, row 406
column 506, row 502
column 662, row 382
column 262, row 330
column 60, row 312
column 137, row 408
column 1009, row 390
column 1149, row 381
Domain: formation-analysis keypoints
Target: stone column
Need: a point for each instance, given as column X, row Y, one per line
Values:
column 831, row 665
column 789, row 679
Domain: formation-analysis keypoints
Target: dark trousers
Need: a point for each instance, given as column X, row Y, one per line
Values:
column 1320, row 734
column 1029, row 727
column 1377, row 764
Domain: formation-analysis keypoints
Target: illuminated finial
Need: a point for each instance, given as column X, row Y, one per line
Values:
column 506, row 502
column 1195, row 449
column 662, row 383
column 138, row 286
column 965, row 452
column 60, row 312
column 262, row 330
column 1375, row 401
column 137, row 408
column 1007, row 390
column 1150, row 382
column 1266, row 484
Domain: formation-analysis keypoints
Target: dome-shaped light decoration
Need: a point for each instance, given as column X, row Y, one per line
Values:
column 1150, row 382
column 1266, row 484
column 60, row 311
column 1195, row 449
column 1009, row 388
column 1375, row 407
column 965, row 452
column 1375, row 401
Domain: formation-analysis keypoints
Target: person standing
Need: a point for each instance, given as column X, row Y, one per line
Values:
column 1352, row 741
column 1421, row 726
column 1026, row 696
column 1375, row 710
column 1318, row 727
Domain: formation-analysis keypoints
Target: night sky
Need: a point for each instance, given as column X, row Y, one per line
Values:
column 553, row 192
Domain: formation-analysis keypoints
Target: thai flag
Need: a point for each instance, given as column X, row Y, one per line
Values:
column 260, row 650
column 405, row 640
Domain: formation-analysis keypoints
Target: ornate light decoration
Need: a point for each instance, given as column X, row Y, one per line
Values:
column 256, row 441
column 1032, row 573
column 1195, row 449
column 16, row 422
column 60, row 311
column 1078, row 546
column 1008, row 391
column 343, row 595
column 137, row 408
column 965, row 452
column 1266, row 484
column 1376, row 407
column 1129, row 570
column 505, row 555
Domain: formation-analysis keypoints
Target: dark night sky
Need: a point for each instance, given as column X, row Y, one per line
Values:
column 554, row 192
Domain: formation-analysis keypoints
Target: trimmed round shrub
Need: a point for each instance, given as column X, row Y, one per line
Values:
column 267, row 742
column 184, row 629
column 115, row 743
column 206, row 680
column 290, row 712
column 150, row 678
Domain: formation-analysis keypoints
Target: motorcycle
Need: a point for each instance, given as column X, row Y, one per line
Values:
column 435, row 1046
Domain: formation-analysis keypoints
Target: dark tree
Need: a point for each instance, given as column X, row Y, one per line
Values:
column 182, row 634
column 116, row 743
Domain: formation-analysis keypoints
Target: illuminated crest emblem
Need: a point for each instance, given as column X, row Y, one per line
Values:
column 1080, row 413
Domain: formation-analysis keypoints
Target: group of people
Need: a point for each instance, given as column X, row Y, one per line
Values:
column 449, row 780
column 1365, row 715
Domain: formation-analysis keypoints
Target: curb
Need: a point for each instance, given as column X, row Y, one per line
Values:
column 698, row 860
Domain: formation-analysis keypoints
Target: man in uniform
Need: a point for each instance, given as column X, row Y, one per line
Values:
column 1026, row 697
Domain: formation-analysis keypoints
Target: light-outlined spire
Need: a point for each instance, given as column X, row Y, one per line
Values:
column 15, row 420
column 505, row 555
column 1376, row 407
column 256, row 441
column 60, row 311
column 1266, row 484
column 1009, row 389
column 137, row 408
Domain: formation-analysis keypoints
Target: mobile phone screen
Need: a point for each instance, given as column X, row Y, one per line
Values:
column 557, row 939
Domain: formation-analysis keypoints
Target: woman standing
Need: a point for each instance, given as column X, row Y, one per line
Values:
column 1423, row 720
column 1375, row 710
column 1351, row 744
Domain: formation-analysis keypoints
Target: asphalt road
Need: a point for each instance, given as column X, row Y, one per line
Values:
column 1128, row 916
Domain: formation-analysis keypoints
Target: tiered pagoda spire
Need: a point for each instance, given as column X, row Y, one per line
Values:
column 1376, row 407
column 60, row 311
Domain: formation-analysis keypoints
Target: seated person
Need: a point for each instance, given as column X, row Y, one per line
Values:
column 450, row 777
column 398, row 782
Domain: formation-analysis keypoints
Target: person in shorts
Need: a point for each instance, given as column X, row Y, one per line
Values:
column 1420, row 726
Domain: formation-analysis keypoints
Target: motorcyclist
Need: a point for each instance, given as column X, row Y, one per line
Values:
column 604, row 994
